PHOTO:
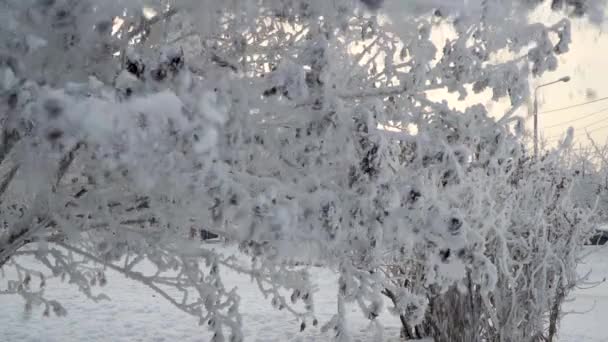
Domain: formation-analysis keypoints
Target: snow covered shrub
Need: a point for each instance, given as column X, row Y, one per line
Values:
column 590, row 165
column 509, row 262
column 543, row 268
column 127, row 123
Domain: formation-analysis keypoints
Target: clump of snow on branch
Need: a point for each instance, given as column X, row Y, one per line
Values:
column 124, row 129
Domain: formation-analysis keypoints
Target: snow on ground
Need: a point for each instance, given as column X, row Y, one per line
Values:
column 588, row 318
column 135, row 313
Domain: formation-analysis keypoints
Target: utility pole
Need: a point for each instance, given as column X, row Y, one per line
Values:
column 563, row 79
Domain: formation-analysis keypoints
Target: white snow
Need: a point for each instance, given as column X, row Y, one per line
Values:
column 602, row 227
column 135, row 313
column 589, row 306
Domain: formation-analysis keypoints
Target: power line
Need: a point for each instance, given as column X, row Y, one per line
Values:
column 597, row 129
column 557, row 137
column 576, row 105
column 577, row 119
column 595, row 123
column 584, row 127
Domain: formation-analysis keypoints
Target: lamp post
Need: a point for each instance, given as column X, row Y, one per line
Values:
column 563, row 79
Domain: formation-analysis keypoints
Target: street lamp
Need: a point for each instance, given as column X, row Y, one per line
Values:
column 563, row 79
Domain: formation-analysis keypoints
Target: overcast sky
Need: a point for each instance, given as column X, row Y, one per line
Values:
column 587, row 65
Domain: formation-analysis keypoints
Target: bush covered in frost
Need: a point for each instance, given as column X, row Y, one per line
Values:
column 301, row 130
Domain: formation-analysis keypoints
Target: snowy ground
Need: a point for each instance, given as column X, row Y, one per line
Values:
column 588, row 319
column 134, row 314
